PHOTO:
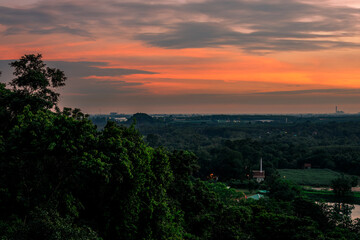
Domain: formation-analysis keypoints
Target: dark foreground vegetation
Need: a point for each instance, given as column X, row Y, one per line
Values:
column 61, row 178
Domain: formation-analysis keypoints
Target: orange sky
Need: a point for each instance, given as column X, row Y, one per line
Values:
column 233, row 56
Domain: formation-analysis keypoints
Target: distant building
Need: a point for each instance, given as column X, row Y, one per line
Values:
column 307, row 165
column 338, row 112
column 121, row 119
column 259, row 175
column 264, row 121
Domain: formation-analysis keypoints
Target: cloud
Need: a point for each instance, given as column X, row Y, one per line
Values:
column 331, row 91
column 191, row 35
column 81, row 82
column 202, row 35
column 16, row 16
column 261, row 26
column 89, row 88
column 80, row 69
column 85, row 69
column 61, row 29
column 254, row 26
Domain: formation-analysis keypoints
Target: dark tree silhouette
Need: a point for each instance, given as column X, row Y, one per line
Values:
column 35, row 82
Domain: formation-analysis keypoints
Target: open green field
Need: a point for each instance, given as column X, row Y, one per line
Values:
column 328, row 196
column 310, row 177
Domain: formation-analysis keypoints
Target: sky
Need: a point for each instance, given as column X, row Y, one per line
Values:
column 192, row 56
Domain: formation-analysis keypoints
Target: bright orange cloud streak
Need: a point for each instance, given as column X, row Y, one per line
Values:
column 222, row 65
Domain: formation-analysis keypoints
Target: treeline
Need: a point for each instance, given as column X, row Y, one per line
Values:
column 60, row 178
column 232, row 151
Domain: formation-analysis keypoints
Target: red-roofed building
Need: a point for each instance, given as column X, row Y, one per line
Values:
column 307, row 165
column 259, row 175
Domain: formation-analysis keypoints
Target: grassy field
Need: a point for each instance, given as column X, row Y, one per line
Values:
column 310, row 177
column 328, row 196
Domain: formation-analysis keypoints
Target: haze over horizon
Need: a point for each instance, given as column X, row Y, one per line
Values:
column 192, row 56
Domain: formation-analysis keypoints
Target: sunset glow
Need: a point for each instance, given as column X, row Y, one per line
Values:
column 209, row 56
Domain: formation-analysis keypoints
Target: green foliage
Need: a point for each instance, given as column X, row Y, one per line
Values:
column 226, row 149
column 55, row 159
column 309, row 177
column 283, row 190
column 47, row 224
column 253, row 185
column 339, row 214
column 141, row 118
column 342, row 186
column 225, row 194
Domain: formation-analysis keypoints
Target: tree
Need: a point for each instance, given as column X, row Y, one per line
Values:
column 141, row 118
column 342, row 186
column 35, row 83
column 47, row 224
column 283, row 190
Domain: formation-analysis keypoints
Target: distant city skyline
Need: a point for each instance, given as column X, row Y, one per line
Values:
column 192, row 56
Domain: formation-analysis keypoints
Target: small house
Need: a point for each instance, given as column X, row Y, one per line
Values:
column 307, row 165
column 259, row 176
